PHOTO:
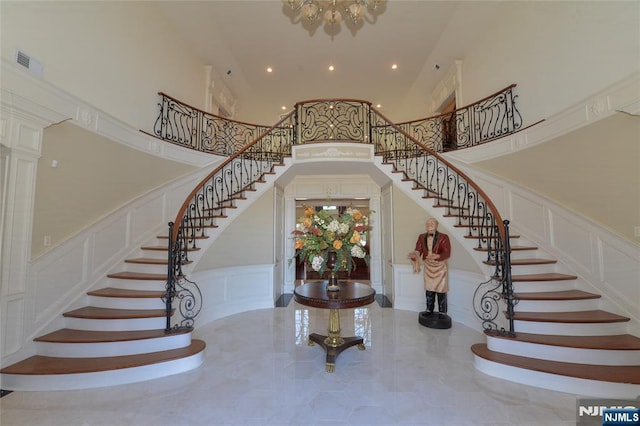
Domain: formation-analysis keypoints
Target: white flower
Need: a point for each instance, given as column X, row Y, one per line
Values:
column 344, row 228
column 356, row 251
column 334, row 226
column 316, row 263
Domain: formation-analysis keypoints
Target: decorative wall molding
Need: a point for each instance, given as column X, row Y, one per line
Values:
column 622, row 96
column 58, row 280
column 22, row 91
column 409, row 293
column 232, row 290
column 337, row 187
column 605, row 263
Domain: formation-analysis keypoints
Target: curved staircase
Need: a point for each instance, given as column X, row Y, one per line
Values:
column 562, row 341
column 119, row 338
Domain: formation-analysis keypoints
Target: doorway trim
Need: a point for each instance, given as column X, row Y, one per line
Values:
column 336, row 187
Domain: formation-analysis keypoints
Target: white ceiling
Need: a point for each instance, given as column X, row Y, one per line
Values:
column 245, row 37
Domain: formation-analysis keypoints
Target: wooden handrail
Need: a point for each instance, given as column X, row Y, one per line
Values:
column 433, row 117
column 185, row 204
column 479, row 190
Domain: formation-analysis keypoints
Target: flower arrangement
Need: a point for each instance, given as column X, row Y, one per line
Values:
column 320, row 233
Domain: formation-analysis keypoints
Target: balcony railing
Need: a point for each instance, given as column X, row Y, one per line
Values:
column 406, row 147
column 341, row 120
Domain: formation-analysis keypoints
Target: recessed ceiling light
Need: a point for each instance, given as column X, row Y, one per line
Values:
column 394, row 66
column 378, row 106
column 284, row 107
column 331, row 68
column 269, row 69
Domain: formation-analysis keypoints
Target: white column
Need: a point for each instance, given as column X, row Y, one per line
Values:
column 21, row 127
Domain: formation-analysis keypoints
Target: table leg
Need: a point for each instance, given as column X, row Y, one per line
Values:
column 334, row 343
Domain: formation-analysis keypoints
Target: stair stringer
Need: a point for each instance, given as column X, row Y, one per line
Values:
column 557, row 382
column 142, row 372
column 241, row 206
column 447, row 223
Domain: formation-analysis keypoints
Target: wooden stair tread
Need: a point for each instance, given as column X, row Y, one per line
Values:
column 166, row 248
column 513, row 248
column 151, row 261
column 620, row 342
column 92, row 312
column 550, row 276
column 588, row 317
column 557, row 295
column 126, row 293
column 41, row 365
column 603, row 373
column 526, row 262
column 138, row 276
column 69, row 335
column 196, row 237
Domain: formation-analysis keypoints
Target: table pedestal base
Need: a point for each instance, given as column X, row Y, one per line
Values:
column 334, row 343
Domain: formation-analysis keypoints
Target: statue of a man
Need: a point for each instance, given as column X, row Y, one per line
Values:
column 432, row 250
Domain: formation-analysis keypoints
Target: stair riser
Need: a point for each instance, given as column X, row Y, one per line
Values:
column 533, row 269
column 155, row 254
column 557, row 305
column 564, row 354
column 54, row 382
column 115, row 324
column 571, row 329
column 533, row 286
column 105, row 349
column 523, row 254
column 146, row 268
column 555, row 382
column 126, row 302
column 137, row 284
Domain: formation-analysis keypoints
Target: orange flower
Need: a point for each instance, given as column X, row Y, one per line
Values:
column 357, row 215
column 306, row 221
column 355, row 237
column 299, row 244
column 337, row 244
column 309, row 211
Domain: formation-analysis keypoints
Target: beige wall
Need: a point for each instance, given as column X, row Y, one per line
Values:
column 557, row 52
column 408, row 222
column 114, row 55
column 247, row 240
column 93, row 177
column 594, row 171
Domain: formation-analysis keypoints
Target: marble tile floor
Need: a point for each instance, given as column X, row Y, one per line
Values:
column 259, row 370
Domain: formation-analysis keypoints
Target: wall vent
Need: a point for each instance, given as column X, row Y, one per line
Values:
column 29, row 63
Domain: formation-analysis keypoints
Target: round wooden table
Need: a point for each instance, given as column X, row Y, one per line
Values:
column 350, row 295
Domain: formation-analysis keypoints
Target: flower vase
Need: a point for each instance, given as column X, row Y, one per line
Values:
column 332, row 285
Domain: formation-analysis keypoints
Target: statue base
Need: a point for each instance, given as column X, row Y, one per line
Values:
column 434, row 320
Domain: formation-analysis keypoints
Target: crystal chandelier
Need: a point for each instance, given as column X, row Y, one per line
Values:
column 331, row 13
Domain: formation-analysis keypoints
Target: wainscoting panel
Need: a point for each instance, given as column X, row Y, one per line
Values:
column 573, row 239
column 409, row 294
column 528, row 215
column 605, row 263
column 58, row 278
column 232, row 290
column 147, row 217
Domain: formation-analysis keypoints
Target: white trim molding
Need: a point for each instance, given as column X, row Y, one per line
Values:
column 623, row 96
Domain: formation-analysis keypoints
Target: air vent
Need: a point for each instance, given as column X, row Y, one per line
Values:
column 29, row 63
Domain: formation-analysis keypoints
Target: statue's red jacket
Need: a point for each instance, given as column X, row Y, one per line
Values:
column 441, row 245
